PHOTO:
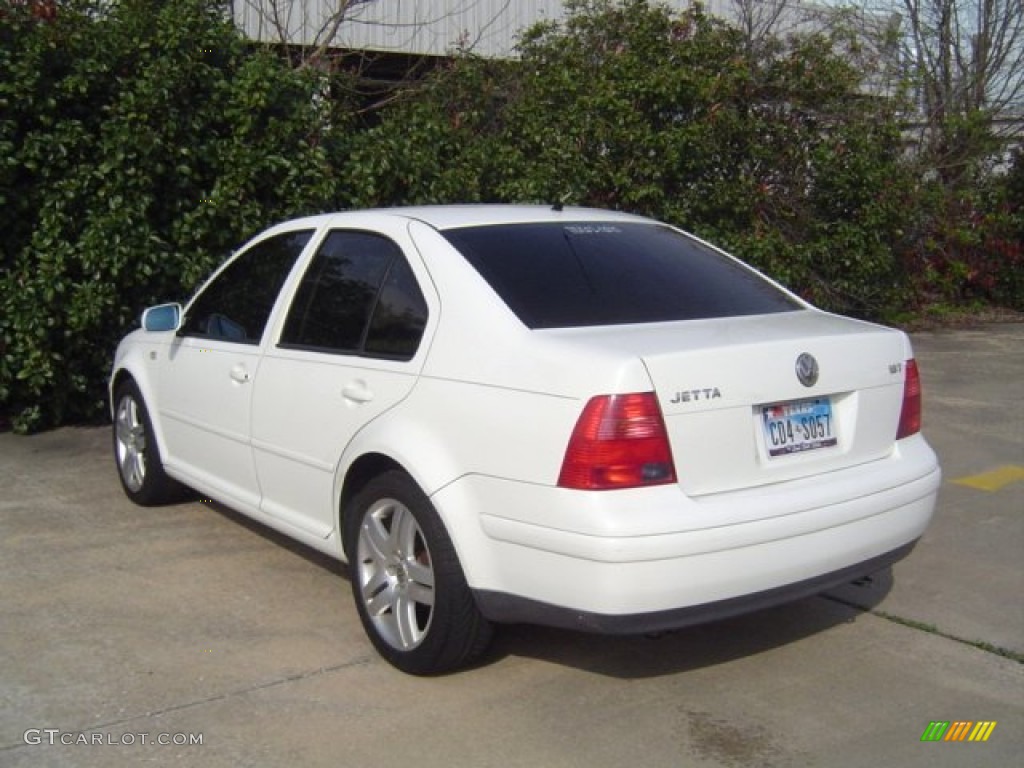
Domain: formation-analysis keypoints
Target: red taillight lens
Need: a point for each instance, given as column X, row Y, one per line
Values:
column 910, row 414
column 620, row 441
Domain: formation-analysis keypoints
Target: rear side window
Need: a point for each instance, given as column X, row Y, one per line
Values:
column 359, row 296
column 555, row 275
column 235, row 306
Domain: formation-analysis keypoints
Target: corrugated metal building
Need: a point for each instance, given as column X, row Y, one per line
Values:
column 419, row 27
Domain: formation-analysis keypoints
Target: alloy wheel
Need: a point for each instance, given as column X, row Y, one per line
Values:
column 396, row 574
column 131, row 443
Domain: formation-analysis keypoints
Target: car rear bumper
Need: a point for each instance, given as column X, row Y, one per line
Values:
column 512, row 609
column 649, row 559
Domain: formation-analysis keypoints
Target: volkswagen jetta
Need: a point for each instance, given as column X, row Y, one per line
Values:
column 494, row 414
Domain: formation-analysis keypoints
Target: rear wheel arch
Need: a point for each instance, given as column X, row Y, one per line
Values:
column 360, row 473
column 422, row 457
column 394, row 441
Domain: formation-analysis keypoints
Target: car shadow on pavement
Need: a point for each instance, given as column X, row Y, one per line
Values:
column 316, row 557
column 696, row 647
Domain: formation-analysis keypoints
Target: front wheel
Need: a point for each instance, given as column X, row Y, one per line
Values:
column 136, row 453
column 408, row 586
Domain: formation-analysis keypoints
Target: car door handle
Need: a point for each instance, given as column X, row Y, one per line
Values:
column 357, row 392
column 240, row 373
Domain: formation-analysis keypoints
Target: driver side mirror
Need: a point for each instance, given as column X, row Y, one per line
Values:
column 163, row 317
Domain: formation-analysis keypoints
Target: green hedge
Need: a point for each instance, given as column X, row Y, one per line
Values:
column 141, row 142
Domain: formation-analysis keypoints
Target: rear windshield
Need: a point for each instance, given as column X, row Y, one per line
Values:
column 556, row 275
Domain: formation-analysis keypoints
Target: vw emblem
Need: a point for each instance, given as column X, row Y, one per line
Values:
column 807, row 369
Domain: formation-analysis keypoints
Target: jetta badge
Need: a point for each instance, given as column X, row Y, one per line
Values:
column 807, row 369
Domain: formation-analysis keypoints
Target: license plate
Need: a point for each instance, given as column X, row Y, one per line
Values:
column 797, row 426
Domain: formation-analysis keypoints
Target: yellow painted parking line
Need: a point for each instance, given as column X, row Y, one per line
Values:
column 993, row 480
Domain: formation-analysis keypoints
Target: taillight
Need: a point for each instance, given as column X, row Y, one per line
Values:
column 620, row 441
column 910, row 413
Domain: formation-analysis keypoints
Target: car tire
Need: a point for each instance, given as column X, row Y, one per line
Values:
column 136, row 454
column 409, row 588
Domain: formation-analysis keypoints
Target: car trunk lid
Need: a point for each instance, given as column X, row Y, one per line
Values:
column 751, row 401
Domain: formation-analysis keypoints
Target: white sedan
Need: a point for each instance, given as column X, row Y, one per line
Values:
column 495, row 414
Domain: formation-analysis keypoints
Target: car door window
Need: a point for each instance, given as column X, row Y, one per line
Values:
column 236, row 305
column 359, row 296
column 400, row 315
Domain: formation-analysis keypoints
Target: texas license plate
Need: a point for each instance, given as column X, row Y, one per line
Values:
column 797, row 426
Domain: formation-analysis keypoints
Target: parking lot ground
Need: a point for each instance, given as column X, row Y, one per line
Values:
column 966, row 577
column 122, row 627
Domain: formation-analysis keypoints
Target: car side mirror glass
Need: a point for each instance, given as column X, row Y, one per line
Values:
column 163, row 317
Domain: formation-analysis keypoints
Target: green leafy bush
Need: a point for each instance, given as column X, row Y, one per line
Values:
column 969, row 247
column 141, row 142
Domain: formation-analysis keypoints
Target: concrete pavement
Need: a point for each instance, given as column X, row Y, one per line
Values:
column 121, row 625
